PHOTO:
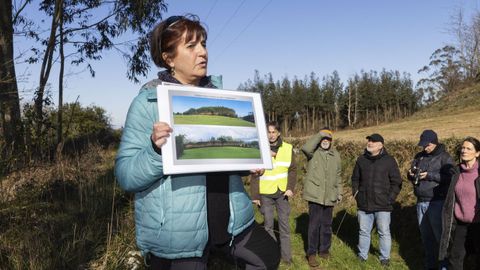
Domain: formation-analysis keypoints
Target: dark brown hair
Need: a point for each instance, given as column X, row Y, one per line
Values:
column 274, row 124
column 165, row 36
column 472, row 140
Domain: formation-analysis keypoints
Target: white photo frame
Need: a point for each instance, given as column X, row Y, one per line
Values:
column 213, row 130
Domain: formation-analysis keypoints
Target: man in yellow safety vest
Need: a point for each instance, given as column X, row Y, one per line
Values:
column 274, row 188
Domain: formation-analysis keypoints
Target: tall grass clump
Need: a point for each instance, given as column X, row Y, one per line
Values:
column 60, row 216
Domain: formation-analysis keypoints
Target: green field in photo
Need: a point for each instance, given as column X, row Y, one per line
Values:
column 216, row 120
column 220, row 152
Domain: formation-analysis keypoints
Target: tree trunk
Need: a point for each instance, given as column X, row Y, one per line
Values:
column 45, row 68
column 60, row 86
column 355, row 114
column 337, row 114
column 366, row 118
column 314, row 118
column 349, row 107
column 10, row 119
column 285, row 126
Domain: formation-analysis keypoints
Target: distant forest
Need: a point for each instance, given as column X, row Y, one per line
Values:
column 306, row 105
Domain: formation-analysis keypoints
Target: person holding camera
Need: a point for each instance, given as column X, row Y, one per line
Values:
column 430, row 174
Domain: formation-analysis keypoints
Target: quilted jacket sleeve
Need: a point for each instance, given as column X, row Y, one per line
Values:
column 137, row 165
column 339, row 184
column 311, row 145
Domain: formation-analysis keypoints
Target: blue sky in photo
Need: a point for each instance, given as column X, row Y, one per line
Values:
column 204, row 133
column 184, row 103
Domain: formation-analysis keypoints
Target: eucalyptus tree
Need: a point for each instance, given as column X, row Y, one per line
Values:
column 444, row 72
column 10, row 121
column 79, row 31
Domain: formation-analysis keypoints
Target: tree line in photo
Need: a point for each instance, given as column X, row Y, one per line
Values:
column 219, row 111
column 182, row 143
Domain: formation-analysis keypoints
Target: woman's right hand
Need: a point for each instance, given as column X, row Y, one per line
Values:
column 161, row 131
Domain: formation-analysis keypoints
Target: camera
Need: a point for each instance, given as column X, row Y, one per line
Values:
column 416, row 175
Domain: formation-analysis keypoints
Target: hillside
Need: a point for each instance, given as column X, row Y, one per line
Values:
column 456, row 115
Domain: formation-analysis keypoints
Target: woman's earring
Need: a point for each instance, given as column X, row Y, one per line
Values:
column 172, row 71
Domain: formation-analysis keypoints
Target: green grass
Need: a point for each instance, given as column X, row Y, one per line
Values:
column 406, row 250
column 215, row 120
column 220, row 152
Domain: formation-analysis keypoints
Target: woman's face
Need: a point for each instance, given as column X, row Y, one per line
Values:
column 190, row 61
column 468, row 152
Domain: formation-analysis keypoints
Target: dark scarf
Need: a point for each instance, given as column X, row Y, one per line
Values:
column 278, row 143
column 165, row 76
column 368, row 155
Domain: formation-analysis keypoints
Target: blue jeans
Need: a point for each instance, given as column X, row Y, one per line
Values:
column 429, row 216
column 365, row 220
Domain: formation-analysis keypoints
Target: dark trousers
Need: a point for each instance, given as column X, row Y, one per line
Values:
column 465, row 237
column 280, row 202
column 254, row 248
column 319, row 228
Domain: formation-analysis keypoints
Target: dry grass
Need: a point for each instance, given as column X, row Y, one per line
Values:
column 64, row 215
column 454, row 116
column 456, row 125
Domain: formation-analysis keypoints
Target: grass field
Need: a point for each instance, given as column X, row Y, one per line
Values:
column 215, row 120
column 406, row 253
column 220, row 152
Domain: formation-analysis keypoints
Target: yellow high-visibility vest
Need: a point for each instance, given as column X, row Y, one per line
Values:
column 277, row 178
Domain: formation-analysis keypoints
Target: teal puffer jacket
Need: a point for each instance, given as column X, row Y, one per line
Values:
column 170, row 210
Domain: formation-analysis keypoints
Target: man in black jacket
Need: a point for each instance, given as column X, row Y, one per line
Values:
column 376, row 183
column 430, row 174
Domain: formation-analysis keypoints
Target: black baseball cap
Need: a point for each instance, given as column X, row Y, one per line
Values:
column 428, row 136
column 375, row 137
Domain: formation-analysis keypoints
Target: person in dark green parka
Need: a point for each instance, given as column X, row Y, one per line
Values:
column 322, row 190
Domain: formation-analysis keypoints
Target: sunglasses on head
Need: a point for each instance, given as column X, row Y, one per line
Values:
column 172, row 20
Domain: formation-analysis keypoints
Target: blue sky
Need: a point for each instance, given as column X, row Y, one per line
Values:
column 286, row 38
column 184, row 103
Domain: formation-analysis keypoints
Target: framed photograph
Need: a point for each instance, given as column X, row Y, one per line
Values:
column 213, row 130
